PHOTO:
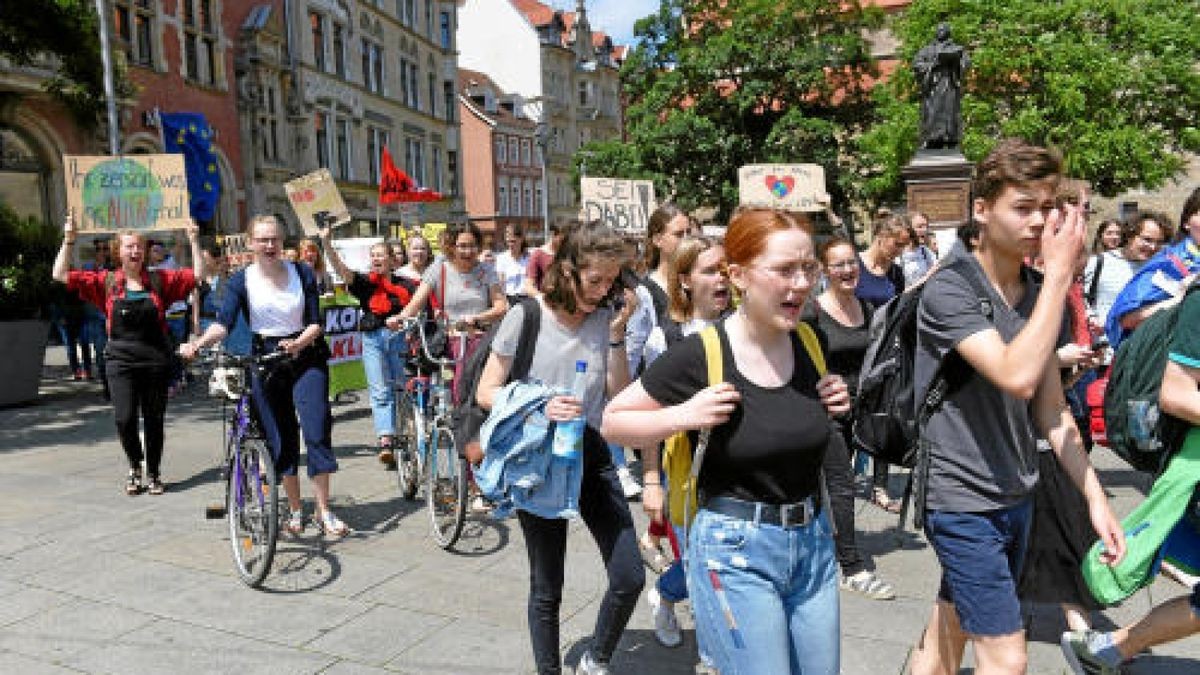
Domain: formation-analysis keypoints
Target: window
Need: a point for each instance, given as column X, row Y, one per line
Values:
column 339, row 50
column 447, row 33
column 452, row 170
column 449, row 100
column 372, row 66
column 585, row 93
column 377, row 140
column 409, row 93
column 501, row 151
column 528, row 198
column 526, row 157
column 199, row 42
column 429, row 19
column 413, row 76
column 270, row 130
column 318, row 39
column 502, row 204
column 436, row 156
column 407, row 10
column 432, row 79
column 539, row 200
column 132, row 22
column 514, row 152
column 322, row 126
column 343, row 149
column 414, row 160
column 514, row 197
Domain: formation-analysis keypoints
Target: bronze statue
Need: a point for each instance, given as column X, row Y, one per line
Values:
column 940, row 67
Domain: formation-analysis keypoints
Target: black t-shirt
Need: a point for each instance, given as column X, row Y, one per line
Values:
column 362, row 289
column 772, row 447
column 845, row 346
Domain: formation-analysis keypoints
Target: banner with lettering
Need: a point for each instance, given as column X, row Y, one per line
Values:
column 790, row 187
column 624, row 205
column 137, row 192
column 346, row 371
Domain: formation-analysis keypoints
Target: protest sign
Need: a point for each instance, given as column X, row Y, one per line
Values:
column 790, row 187
column 137, row 192
column 314, row 193
column 624, row 205
column 341, row 315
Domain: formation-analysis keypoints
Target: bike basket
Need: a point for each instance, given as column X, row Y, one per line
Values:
column 227, row 382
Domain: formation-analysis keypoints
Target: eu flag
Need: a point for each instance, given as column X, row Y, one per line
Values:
column 190, row 135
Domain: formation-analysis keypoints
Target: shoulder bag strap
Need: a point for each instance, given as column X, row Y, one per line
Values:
column 813, row 346
column 714, row 364
column 1094, row 287
column 531, row 323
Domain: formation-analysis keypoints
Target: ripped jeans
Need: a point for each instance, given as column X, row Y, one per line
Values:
column 765, row 597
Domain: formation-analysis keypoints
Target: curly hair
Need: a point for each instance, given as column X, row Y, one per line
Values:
column 582, row 245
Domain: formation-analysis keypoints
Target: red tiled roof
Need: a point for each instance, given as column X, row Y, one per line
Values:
column 538, row 14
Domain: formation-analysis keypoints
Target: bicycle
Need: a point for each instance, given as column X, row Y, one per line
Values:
column 251, row 506
column 423, row 408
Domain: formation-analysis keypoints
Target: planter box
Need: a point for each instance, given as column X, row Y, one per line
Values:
column 24, row 345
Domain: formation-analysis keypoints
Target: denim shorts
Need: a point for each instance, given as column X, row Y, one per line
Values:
column 981, row 555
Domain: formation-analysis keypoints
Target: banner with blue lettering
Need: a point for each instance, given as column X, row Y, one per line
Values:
column 346, row 372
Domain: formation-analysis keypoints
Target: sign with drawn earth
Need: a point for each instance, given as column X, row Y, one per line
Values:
column 791, row 187
column 313, row 193
column 136, row 192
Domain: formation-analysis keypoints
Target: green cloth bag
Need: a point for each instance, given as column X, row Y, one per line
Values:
column 1146, row 528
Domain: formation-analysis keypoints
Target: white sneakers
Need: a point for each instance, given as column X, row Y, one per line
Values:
column 666, row 626
column 629, row 484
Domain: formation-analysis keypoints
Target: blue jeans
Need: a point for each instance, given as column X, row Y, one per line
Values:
column 780, row 588
column 383, row 361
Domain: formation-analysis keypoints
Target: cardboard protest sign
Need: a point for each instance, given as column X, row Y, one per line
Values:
column 790, row 187
column 355, row 252
column 624, row 205
column 313, row 193
column 137, row 192
column 432, row 233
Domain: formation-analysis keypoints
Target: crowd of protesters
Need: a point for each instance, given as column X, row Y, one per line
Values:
column 1012, row 500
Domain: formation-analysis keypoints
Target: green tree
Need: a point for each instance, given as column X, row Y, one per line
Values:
column 714, row 85
column 67, row 30
column 1114, row 84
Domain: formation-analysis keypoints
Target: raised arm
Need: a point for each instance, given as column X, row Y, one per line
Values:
column 335, row 259
column 62, row 262
column 193, row 235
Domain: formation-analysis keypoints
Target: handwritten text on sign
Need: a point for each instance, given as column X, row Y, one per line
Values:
column 791, row 187
column 138, row 192
column 313, row 193
column 624, row 205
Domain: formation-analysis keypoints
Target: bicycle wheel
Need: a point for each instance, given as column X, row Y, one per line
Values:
column 252, row 510
column 408, row 464
column 446, row 488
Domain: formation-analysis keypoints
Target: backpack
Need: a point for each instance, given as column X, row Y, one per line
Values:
column 1138, row 431
column 886, row 417
column 678, row 464
column 467, row 417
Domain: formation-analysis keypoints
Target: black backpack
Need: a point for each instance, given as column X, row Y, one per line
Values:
column 467, row 417
column 886, row 416
column 1138, row 431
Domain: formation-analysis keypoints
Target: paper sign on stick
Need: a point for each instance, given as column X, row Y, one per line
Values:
column 624, row 205
column 791, row 187
column 137, row 192
column 313, row 193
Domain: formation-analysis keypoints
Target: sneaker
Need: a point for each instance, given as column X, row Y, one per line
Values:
column 1077, row 647
column 868, row 584
column 387, row 456
column 629, row 484
column 588, row 665
column 666, row 626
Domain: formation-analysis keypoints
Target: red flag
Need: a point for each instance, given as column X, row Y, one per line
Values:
column 393, row 183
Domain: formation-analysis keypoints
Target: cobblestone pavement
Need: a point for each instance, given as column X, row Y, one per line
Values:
column 95, row 581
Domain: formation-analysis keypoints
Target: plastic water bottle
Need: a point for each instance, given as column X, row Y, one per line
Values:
column 568, row 436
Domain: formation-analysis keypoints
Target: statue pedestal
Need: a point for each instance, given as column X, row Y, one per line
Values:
column 939, row 185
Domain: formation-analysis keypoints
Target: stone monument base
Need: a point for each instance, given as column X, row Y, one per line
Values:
column 939, row 185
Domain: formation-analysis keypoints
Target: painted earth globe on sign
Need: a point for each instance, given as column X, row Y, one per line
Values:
column 122, row 193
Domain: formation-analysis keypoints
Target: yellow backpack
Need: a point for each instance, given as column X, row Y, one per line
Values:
column 677, row 450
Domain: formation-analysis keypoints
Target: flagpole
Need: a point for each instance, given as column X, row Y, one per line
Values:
column 378, row 210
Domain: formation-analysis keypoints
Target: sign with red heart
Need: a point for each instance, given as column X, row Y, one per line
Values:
column 792, row 187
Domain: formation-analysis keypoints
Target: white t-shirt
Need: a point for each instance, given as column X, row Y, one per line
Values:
column 511, row 272
column 272, row 313
column 1114, row 274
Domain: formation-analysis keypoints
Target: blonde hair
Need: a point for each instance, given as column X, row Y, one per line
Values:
column 682, row 262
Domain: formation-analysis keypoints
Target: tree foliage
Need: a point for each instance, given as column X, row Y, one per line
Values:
column 1114, row 84
column 714, row 85
column 67, row 30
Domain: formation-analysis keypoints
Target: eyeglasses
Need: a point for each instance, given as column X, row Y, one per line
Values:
column 809, row 270
column 844, row 266
column 266, row 240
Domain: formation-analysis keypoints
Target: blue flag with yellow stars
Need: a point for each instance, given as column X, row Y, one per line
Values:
column 190, row 135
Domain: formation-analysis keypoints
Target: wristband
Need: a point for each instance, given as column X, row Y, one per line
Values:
column 616, row 345
column 647, row 484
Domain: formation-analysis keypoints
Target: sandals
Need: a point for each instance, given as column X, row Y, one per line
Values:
column 156, row 486
column 134, row 485
column 866, row 583
column 332, row 526
column 295, row 523
column 387, row 445
column 652, row 555
column 881, row 498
